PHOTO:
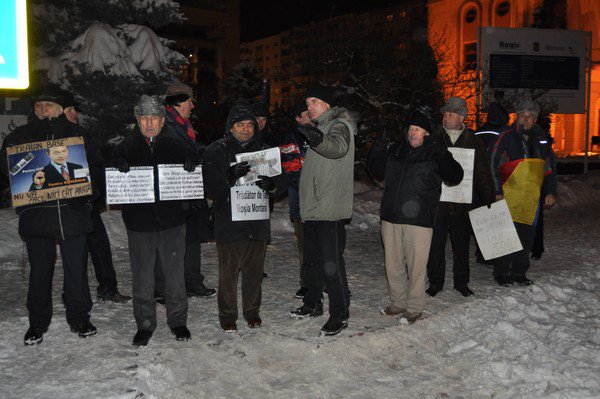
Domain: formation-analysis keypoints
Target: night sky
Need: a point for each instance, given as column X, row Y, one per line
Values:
column 262, row 18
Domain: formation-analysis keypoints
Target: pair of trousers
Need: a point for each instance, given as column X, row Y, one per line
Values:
column 144, row 248
column 42, row 256
column 324, row 265
column 516, row 263
column 406, row 255
column 247, row 257
column 537, row 249
column 299, row 233
column 460, row 236
column 99, row 249
column 192, row 261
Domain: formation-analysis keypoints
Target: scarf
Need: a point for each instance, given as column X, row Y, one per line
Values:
column 183, row 122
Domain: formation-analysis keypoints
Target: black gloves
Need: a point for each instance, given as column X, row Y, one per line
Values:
column 189, row 165
column 236, row 171
column 266, row 183
column 122, row 165
column 438, row 150
column 312, row 134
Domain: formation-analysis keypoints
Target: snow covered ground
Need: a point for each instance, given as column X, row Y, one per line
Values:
column 534, row 342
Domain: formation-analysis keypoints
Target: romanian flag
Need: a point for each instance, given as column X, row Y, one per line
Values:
column 522, row 188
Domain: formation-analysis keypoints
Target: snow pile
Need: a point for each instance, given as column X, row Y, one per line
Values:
column 541, row 341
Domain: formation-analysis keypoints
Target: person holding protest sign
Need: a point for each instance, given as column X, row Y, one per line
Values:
column 155, row 229
column 453, row 211
column 523, row 167
column 416, row 167
column 66, row 221
column 179, row 103
column 242, row 217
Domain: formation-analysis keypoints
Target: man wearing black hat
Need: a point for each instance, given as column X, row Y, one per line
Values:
column 326, row 196
column 241, row 244
column 179, row 103
column 416, row 167
column 64, row 221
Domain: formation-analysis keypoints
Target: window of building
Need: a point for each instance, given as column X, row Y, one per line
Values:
column 469, row 27
column 502, row 8
column 501, row 14
column 471, row 15
column 470, row 56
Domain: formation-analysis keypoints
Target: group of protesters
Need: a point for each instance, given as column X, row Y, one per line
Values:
column 317, row 155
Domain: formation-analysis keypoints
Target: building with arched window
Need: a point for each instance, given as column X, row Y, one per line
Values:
column 453, row 33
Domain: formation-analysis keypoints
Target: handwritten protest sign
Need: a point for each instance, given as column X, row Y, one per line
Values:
column 266, row 163
column 461, row 193
column 174, row 183
column 133, row 187
column 48, row 170
column 494, row 230
column 249, row 202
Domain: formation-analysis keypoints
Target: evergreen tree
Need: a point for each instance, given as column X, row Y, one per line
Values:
column 104, row 53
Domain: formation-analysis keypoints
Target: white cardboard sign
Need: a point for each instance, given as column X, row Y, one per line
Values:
column 133, row 187
column 249, row 202
column 461, row 193
column 175, row 183
column 494, row 230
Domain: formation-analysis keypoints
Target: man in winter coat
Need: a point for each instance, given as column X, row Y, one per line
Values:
column 523, row 167
column 453, row 216
column 415, row 170
column 66, row 221
column 496, row 123
column 157, row 229
column 326, row 196
column 241, row 241
column 179, row 105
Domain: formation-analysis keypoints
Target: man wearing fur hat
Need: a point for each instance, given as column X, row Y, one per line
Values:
column 157, row 229
column 453, row 217
column 523, row 167
column 67, row 222
column 241, row 244
column 416, row 167
column 179, row 103
column 326, row 196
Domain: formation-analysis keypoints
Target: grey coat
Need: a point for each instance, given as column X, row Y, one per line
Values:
column 327, row 177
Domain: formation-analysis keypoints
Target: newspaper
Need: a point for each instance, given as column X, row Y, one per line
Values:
column 264, row 163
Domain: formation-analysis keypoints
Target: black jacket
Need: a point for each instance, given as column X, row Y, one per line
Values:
column 413, row 179
column 61, row 219
column 166, row 149
column 217, row 158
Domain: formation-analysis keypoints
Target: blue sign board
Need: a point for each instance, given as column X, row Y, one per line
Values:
column 14, row 68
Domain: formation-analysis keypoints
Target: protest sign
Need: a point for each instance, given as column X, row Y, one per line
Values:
column 461, row 193
column 494, row 230
column 48, row 170
column 264, row 163
column 133, row 187
column 249, row 202
column 175, row 183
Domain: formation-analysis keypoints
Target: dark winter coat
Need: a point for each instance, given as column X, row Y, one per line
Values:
column 483, row 186
column 166, row 149
column 217, row 159
column 512, row 148
column 496, row 123
column 413, row 179
column 61, row 219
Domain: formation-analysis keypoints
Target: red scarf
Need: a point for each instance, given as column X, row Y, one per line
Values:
column 183, row 122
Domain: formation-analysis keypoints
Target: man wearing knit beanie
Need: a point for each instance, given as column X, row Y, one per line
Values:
column 453, row 217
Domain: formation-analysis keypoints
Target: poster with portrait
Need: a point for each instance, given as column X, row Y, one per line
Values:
column 48, row 171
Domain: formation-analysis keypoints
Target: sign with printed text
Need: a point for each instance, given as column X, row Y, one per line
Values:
column 133, row 187
column 48, row 171
column 494, row 230
column 461, row 193
column 175, row 183
column 249, row 202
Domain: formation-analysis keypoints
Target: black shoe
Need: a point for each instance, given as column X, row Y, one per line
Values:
column 536, row 256
column 202, row 291
column 433, row 290
column 301, row 292
column 333, row 326
column 504, row 281
column 84, row 329
column 34, row 336
column 304, row 311
column 142, row 337
column 181, row 333
column 521, row 280
column 116, row 298
column 160, row 297
column 464, row 290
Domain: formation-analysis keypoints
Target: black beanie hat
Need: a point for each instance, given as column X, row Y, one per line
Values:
column 239, row 113
column 52, row 93
column 323, row 93
column 419, row 119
